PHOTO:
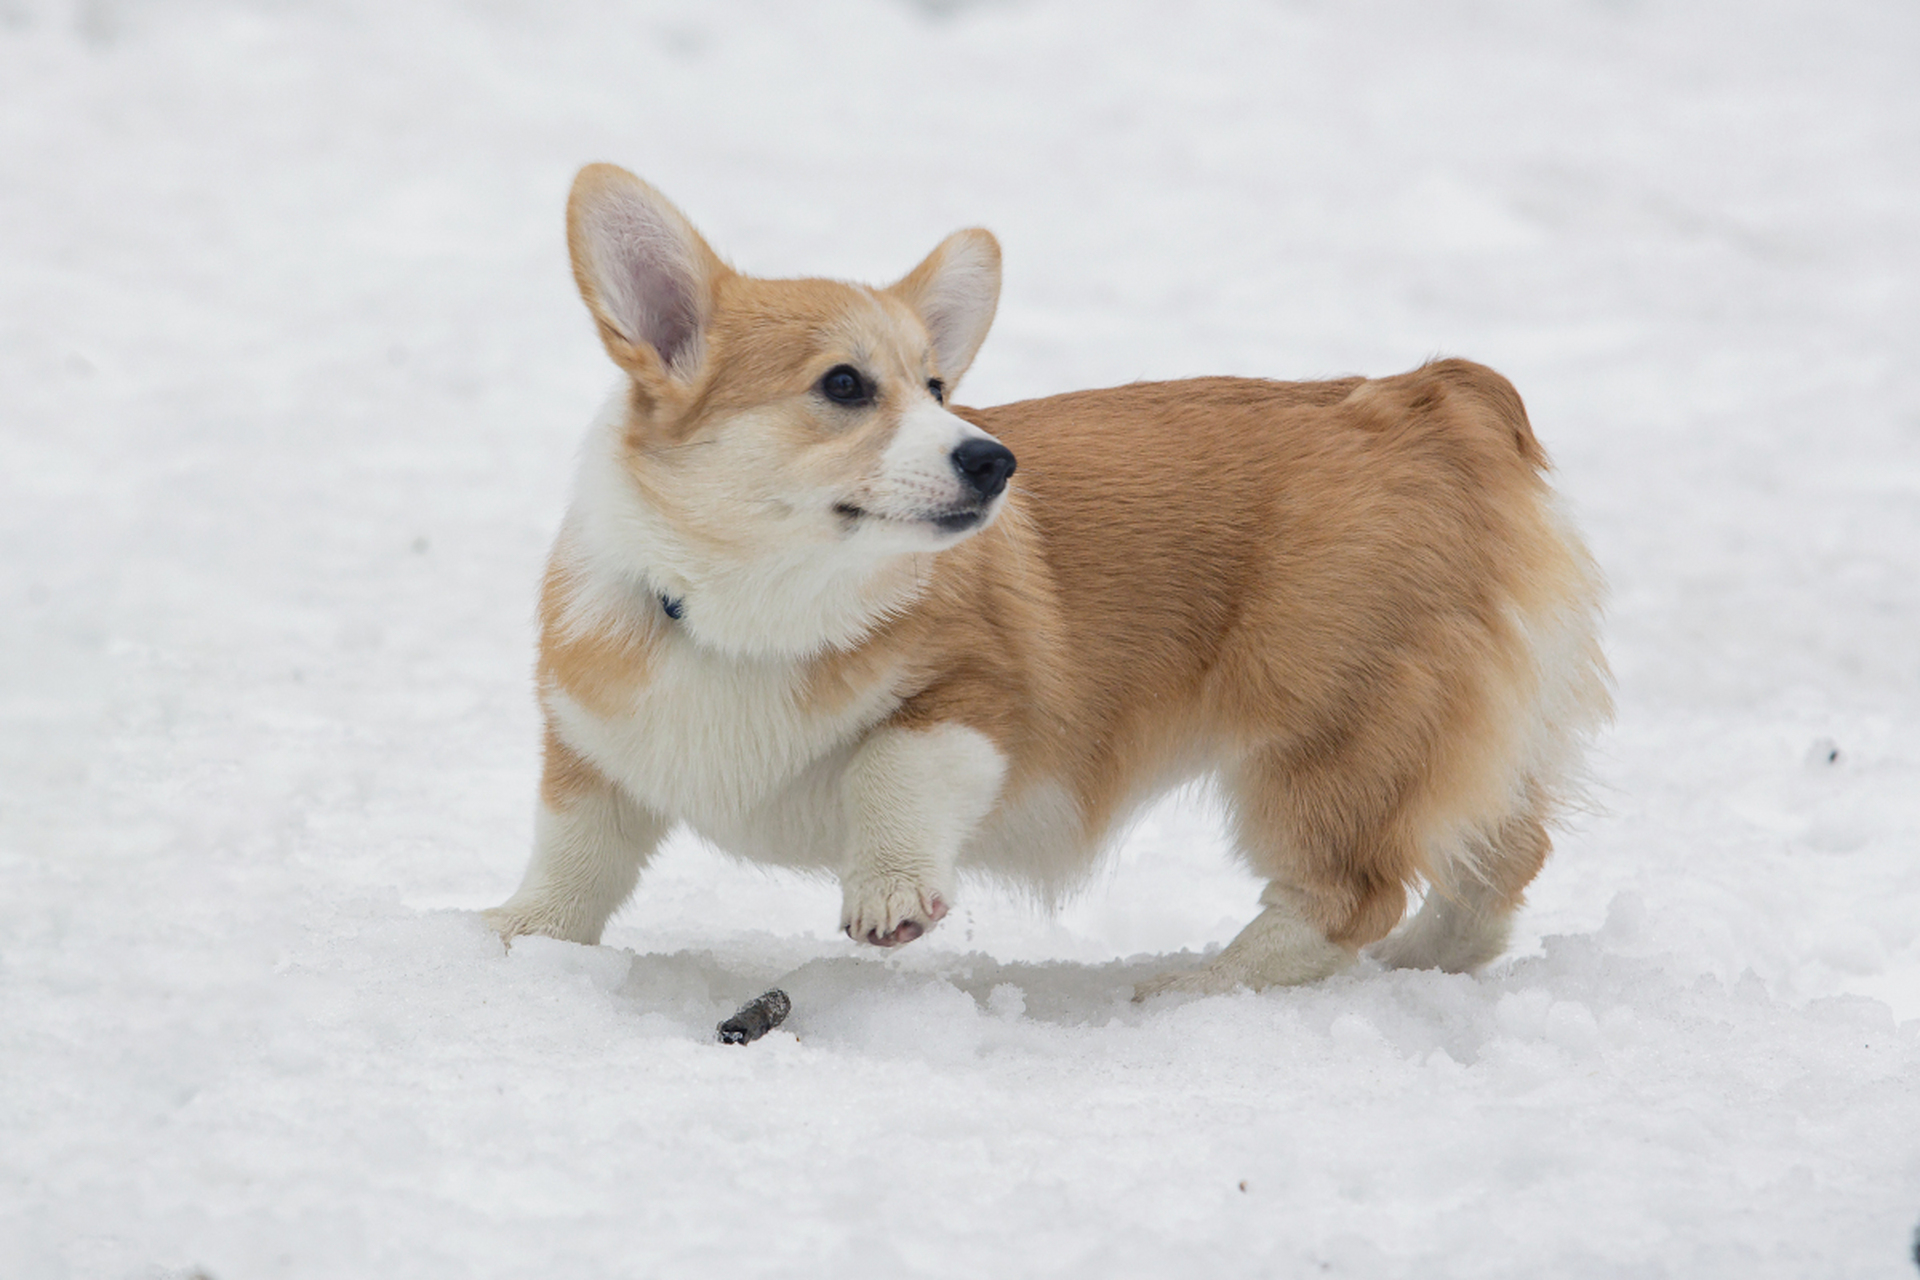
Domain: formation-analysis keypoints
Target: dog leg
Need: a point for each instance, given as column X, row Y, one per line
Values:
column 1468, row 914
column 914, row 797
column 1337, row 875
column 590, row 841
column 1281, row 947
column 1457, row 930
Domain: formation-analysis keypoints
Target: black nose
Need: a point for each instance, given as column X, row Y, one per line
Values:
column 984, row 464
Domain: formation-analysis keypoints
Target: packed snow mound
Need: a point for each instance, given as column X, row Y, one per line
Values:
column 293, row 373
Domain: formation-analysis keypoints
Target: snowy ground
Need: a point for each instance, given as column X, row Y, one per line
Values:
column 291, row 371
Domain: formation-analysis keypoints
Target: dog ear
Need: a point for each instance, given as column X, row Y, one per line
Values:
column 645, row 273
column 954, row 292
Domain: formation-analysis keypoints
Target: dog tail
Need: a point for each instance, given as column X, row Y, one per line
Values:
column 1494, row 394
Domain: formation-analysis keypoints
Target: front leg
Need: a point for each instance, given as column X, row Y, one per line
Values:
column 914, row 796
column 590, row 841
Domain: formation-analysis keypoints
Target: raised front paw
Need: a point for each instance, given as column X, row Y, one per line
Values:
column 885, row 911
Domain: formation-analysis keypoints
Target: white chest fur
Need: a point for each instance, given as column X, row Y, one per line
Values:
column 724, row 734
column 730, row 745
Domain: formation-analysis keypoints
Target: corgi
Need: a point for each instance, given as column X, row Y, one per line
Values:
column 809, row 606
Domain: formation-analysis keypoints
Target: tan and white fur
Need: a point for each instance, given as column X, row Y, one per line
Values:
column 826, row 631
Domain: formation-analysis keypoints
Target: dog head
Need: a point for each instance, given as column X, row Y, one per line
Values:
column 786, row 442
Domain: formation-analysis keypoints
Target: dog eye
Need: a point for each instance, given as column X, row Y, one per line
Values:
column 844, row 385
column 938, row 388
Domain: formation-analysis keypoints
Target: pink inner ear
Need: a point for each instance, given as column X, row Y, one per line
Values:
column 647, row 278
column 958, row 306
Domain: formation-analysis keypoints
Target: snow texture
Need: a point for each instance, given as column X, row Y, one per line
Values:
column 292, row 371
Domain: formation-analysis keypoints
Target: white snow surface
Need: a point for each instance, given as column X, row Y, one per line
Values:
column 292, row 373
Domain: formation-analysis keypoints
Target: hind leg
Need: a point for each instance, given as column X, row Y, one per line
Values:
column 1337, row 871
column 1468, row 914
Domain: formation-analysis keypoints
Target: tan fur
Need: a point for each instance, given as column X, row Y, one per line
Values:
column 1311, row 584
column 565, row 775
column 1353, row 601
column 602, row 665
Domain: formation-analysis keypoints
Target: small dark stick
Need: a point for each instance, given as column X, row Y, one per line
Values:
column 756, row 1017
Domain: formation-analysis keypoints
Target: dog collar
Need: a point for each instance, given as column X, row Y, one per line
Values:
column 672, row 607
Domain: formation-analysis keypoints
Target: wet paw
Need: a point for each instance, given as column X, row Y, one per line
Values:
column 886, row 911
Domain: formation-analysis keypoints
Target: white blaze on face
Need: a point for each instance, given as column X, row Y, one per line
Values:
column 917, row 479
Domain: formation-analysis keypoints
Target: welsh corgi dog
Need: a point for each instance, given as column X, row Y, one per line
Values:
column 809, row 606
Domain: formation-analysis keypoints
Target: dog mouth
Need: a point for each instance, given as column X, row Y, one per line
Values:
column 957, row 522
column 946, row 522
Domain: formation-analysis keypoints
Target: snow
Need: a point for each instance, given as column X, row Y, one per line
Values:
column 292, row 372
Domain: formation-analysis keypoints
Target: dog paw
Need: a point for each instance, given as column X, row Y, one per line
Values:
column 1278, row 949
column 1207, row 981
column 509, row 924
column 1251, row 968
column 514, row 919
column 885, row 911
